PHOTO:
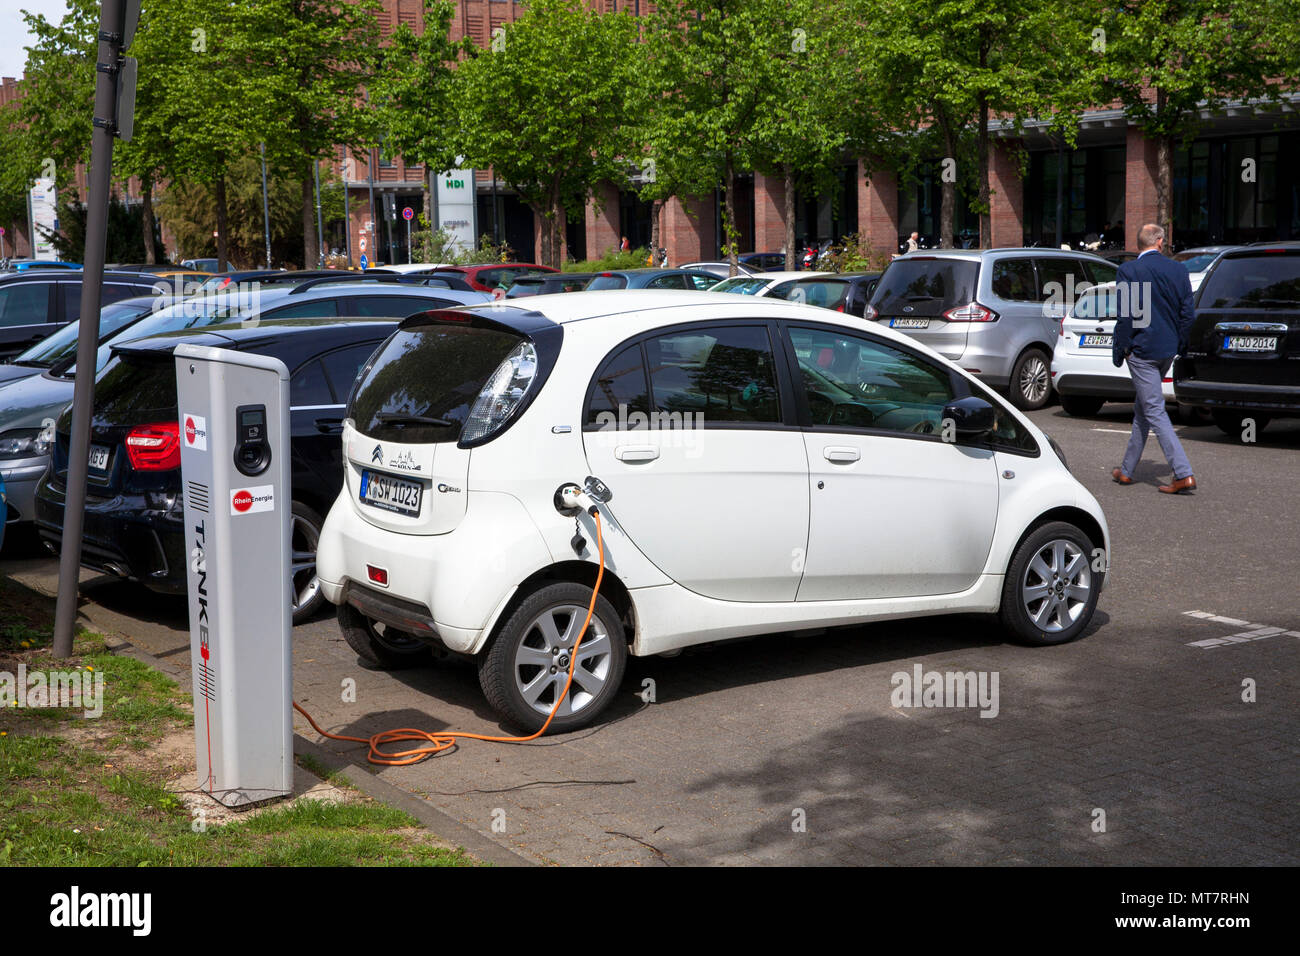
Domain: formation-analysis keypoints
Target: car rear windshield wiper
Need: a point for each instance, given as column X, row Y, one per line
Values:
column 398, row 418
column 28, row 363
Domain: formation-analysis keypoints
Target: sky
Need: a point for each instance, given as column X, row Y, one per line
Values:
column 13, row 31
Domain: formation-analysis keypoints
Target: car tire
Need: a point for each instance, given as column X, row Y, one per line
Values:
column 1233, row 423
column 1036, row 607
column 304, row 586
column 378, row 646
column 522, row 687
column 1081, row 404
column 1031, row 380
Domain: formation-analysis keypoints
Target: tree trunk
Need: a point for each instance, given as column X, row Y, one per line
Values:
column 146, row 217
column 788, row 174
column 729, row 216
column 310, row 249
column 982, row 140
column 1164, row 189
column 948, row 194
column 656, row 227
column 219, row 195
column 559, row 220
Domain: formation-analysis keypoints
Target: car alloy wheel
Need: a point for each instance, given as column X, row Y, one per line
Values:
column 1032, row 381
column 541, row 666
column 524, row 670
column 1052, row 584
column 1056, row 585
column 305, row 595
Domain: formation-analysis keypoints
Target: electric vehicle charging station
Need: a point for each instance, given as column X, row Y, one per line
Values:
column 234, row 436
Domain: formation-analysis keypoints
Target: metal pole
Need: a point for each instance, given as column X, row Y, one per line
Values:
column 347, row 209
column 408, row 242
column 1060, row 192
column 266, row 209
column 370, row 181
column 388, row 225
column 320, row 231
column 111, row 16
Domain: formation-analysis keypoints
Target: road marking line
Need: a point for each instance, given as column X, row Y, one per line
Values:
column 1115, row 431
column 1256, row 632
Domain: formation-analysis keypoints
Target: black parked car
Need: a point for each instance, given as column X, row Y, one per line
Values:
column 1243, row 360
column 36, row 304
column 134, row 526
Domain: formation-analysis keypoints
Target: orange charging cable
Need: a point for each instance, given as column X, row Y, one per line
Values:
column 445, row 741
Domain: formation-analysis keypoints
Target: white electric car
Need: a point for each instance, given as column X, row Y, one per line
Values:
column 1082, row 371
column 758, row 466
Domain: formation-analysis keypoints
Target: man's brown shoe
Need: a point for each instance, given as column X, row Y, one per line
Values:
column 1120, row 477
column 1180, row 486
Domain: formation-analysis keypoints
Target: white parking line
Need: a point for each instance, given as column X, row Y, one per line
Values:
column 1255, row 632
column 1114, row 431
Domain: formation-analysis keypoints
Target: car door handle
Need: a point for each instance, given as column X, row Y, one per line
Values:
column 636, row 452
column 329, row 426
column 841, row 454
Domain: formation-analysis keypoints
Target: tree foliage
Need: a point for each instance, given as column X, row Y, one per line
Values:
column 547, row 107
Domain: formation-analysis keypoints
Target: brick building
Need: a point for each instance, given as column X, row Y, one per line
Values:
column 1239, row 180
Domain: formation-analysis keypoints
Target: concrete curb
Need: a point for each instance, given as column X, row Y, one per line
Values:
column 442, row 826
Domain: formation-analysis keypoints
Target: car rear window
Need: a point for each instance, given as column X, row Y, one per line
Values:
column 929, row 285
column 741, row 285
column 429, row 372
column 1254, row 281
column 607, row 282
column 137, row 388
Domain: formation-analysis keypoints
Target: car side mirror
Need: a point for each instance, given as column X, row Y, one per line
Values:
column 971, row 417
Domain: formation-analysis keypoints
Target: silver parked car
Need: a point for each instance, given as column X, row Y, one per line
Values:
column 995, row 312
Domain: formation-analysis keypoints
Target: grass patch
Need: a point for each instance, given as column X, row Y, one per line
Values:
column 92, row 792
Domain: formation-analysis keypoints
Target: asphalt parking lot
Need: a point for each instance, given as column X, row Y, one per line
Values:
column 1166, row 735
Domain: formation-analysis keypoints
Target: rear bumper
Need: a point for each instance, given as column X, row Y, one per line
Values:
column 122, row 537
column 1276, row 400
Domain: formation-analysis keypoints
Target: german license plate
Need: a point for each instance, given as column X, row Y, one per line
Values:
column 98, row 457
column 390, row 493
column 1250, row 343
column 909, row 323
column 1091, row 341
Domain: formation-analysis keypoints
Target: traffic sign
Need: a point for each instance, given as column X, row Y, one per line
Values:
column 363, row 243
column 365, row 263
column 2, row 230
column 408, row 213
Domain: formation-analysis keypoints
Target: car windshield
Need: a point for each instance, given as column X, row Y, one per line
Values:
column 1099, row 302
column 740, row 285
column 1254, row 281
column 195, row 313
column 1196, row 261
column 827, row 293
column 63, row 343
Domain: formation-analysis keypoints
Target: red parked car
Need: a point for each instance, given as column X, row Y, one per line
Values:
column 487, row 277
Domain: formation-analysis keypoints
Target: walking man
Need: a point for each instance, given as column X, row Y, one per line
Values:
column 1154, row 322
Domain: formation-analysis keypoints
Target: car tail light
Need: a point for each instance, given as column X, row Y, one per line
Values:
column 501, row 394
column 377, row 575
column 154, row 447
column 971, row 313
column 869, row 312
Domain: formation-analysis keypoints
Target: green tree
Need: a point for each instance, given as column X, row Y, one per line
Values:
column 307, row 62
column 948, row 66
column 804, row 131
column 547, row 106
column 720, row 76
column 1167, row 61
column 412, row 93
